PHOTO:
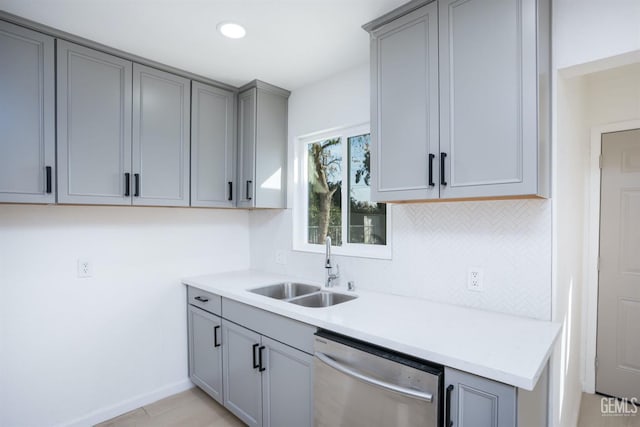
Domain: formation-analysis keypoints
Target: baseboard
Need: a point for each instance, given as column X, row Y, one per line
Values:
column 125, row 406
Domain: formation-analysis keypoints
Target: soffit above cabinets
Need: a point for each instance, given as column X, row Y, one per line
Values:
column 289, row 43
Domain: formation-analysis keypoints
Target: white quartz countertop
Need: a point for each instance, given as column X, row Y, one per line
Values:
column 510, row 349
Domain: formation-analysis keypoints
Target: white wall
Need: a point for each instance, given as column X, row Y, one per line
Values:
column 590, row 30
column 571, row 152
column 78, row 351
column 433, row 244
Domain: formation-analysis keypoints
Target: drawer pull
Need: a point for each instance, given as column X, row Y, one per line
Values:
column 202, row 299
column 260, row 367
column 215, row 336
column 255, row 364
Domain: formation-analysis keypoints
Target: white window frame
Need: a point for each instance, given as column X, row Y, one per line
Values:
column 301, row 197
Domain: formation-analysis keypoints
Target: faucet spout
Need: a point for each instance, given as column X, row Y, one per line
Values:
column 328, row 265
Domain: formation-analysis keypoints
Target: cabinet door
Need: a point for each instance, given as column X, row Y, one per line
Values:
column 212, row 146
column 27, row 139
column 271, row 150
column 287, row 386
column 479, row 402
column 242, row 380
column 94, row 126
column 404, row 107
column 205, row 352
column 161, row 103
column 488, row 97
column 247, row 102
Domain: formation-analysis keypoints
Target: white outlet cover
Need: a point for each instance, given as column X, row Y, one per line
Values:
column 84, row 268
column 474, row 281
column 281, row 257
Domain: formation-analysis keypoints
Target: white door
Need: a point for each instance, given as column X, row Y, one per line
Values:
column 618, row 342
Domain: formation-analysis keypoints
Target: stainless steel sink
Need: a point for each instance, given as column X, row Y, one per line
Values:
column 285, row 290
column 322, row 299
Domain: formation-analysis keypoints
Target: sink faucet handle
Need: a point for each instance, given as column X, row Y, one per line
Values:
column 351, row 285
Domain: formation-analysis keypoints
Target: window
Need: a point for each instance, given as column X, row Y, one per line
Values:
column 333, row 195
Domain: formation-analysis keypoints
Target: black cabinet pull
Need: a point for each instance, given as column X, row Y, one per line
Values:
column 47, row 170
column 215, row 336
column 247, row 190
column 230, row 191
column 127, row 184
column 255, row 364
column 201, row 299
column 261, row 368
column 136, row 178
column 442, row 157
column 448, row 422
column 431, row 157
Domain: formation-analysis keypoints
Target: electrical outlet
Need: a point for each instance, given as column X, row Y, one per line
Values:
column 281, row 258
column 84, row 268
column 474, row 282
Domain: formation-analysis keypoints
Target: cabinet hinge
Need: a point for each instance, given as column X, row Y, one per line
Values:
column 595, row 363
column 600, row 161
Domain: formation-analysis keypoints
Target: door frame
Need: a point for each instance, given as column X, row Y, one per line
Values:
column 593, row 249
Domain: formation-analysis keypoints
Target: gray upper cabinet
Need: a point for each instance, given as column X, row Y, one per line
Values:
column 262, row 146
column 27, row 135
column 490, row 111
column 94, row 126
column 160, row 161
column 205, row 351
column 479, row 402
column 489, row 85
column 404, row 107
column 213, row 147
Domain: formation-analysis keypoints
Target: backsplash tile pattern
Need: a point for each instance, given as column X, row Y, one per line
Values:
column 509, row 240
column 434, row 245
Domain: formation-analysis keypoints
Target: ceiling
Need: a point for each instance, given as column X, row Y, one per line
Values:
column 289, row 43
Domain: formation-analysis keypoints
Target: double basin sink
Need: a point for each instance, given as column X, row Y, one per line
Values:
column 303, row 294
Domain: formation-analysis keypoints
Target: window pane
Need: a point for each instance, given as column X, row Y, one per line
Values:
column 367, row 219
column 325, row 191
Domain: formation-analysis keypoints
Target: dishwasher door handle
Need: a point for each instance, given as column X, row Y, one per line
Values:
column 427, row 397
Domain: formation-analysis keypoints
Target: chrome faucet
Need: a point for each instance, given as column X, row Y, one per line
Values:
column 331, row 276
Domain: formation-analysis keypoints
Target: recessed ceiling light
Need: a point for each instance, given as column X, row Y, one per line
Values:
column 231, row 30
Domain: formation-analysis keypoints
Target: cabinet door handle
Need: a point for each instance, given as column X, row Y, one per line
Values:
column 201, row 299
column 127, row 184
column 136, row 178
column 448, row 422
column 255, row 364
column 230, row 191
column 431, row 157
column 443, row 156
column 248, row 190
column 47, row 170
column 261, row 368
column 215, row 336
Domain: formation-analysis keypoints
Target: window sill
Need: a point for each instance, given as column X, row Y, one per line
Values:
column 353, row 250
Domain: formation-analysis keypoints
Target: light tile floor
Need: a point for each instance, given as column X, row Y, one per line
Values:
column 191, row 408
column 591, row 414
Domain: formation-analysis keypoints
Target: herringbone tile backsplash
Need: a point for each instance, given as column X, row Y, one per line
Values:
column 434, row 245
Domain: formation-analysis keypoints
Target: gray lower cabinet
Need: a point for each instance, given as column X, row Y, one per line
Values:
column 460, row 100
column 262, row 146
column 478, row 402
column 27, row 122
column 94, row 126
column 160, row 160
column 242, row 378
column 266, row 383
column 263, row 380
column 213, row 147
column 205, row 351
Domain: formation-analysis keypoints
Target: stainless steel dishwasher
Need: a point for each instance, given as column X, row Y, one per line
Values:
column 361, row 385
